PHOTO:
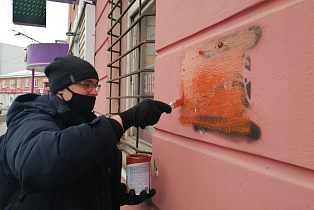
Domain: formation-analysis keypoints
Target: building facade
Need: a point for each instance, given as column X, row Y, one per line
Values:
column 242, row 138
column 18, row 83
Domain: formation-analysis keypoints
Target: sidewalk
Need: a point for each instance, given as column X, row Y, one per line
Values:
column 3, row 125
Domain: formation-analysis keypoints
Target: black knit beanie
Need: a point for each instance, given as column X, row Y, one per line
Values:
column 67, row 70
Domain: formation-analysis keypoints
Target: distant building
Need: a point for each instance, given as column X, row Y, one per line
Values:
column 11, row 58
column 18, row 83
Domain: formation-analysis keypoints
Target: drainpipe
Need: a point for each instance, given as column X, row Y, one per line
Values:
column 33, row 81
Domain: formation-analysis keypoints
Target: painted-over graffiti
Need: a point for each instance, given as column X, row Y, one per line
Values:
column 215, row 93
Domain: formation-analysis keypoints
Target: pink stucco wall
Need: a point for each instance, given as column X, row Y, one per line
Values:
column 212, row 158
column 209, row 169
column 101, row 53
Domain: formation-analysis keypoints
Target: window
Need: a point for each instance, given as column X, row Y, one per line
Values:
column 4, row 83
column 18, row 84
column 27, row 83
column 143, row 58
column 131, row 71
column 12, row 84
column 35, row 82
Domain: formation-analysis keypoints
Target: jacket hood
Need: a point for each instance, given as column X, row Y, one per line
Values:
column 50, row 104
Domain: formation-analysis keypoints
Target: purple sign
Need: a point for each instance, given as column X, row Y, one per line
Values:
column 38, row 56
column 76, row 2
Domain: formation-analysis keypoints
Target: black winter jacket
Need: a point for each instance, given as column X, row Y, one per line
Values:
column 57, row 158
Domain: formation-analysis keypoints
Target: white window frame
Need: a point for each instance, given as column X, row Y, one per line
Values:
column 4, row 83
column 12, row 83
column 18, row 83
column 130, row 135
column 131, row 38
column 26, row 83
column 35, row 82
column 129, row 142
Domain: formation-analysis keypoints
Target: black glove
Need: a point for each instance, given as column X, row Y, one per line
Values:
column 145, row 113
column 131, row 198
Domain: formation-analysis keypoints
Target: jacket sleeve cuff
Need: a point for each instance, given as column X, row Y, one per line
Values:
column 127, row 119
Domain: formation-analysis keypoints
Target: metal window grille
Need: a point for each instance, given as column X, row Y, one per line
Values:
column 118, row 34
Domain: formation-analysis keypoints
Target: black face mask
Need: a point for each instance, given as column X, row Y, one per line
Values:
column 82, row 105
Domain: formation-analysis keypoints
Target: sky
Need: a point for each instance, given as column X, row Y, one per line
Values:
column 56, row 25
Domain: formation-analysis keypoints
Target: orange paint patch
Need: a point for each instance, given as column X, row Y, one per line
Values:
column 213, row 92
column 201, row 52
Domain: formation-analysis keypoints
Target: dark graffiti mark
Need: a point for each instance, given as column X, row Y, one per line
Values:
column 247, row 63
column 253, row 134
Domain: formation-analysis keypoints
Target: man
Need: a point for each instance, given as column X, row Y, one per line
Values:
column 57, row 154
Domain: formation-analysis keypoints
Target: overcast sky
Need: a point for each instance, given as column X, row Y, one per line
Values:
column 56, row 25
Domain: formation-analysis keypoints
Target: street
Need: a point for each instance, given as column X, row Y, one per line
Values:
column 3, row 126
